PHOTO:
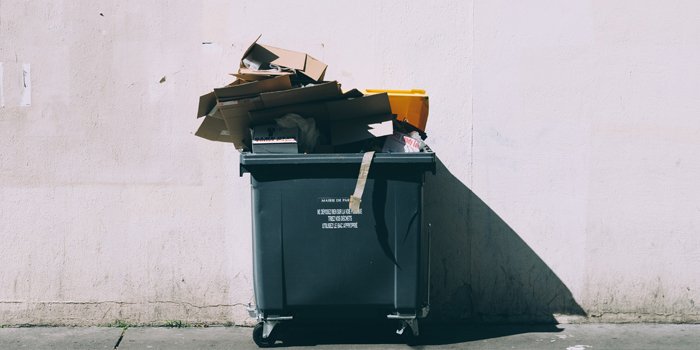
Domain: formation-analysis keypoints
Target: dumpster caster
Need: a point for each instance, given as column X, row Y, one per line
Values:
column 259, row 338
column 411, row 335
column 408, row 329
column 412, row 325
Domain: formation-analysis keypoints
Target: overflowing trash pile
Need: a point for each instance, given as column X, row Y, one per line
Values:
column 280, row 103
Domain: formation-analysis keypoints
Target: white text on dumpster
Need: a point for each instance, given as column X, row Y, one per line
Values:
column 337, row 218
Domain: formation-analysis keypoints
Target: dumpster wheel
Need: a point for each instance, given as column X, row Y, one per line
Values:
column 408, row 327
column 258, row 338
column 410, row 336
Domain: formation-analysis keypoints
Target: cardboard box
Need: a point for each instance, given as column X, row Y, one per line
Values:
column 263, row 55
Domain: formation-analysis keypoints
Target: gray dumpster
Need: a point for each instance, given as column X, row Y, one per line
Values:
column 314, row 259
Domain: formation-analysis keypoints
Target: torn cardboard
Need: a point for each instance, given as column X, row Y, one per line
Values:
column 349, row 120
column 232, row 107
column 259, row 56
column 214, row 129
column 238, row 91
column 236, row 102
column 206, row 103
column 320, row 92
column 328, row 110
column 360, row 129
column 359, row 107
column 256, row 77
column 263, row 93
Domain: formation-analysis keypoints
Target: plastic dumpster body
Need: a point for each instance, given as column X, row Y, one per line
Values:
column 313, row 258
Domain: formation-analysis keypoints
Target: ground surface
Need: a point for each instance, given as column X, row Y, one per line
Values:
column 561, row 337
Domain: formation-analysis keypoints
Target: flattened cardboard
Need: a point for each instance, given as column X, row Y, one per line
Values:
column 214, row 129
column 237, row 99
column 243, row 74
column 278, row 56
column 235, row 112
column 250, row 48
column 246, row 89
column 238, row 89
column 314, row 69
column 322, row 111
column 354, row 93
column 235, row 115
column 215, row 112
column 359, row 129
column 325, row 91
column 316, row 110
column 206, row 104
column 363, row 106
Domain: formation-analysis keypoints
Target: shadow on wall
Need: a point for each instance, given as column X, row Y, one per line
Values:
column 481, row 270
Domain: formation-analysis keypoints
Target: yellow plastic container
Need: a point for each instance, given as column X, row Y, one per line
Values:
column 409, row 105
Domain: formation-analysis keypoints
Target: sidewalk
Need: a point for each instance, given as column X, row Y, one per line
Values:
column 561, row 337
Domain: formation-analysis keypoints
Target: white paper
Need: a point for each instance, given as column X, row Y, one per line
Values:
column 26, row 86
column 2, row 91
column 353, row 130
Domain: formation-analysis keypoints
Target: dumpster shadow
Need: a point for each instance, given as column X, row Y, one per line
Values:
column 373, row 332
column 486, row 282
column 482, row 271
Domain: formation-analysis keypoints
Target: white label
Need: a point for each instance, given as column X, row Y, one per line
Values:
column 335, row 214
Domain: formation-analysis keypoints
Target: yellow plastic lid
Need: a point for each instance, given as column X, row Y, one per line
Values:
column 412, row 92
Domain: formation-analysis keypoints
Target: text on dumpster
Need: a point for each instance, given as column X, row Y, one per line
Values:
column 336, row 214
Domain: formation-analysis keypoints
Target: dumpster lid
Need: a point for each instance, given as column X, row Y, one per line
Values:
column 249, row 161
column 252, row 159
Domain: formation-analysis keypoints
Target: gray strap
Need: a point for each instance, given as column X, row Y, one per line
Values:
column 356, row 197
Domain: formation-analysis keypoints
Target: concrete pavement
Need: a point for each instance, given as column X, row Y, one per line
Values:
column 370, row 337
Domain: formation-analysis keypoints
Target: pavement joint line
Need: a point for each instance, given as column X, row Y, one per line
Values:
column 121, row 336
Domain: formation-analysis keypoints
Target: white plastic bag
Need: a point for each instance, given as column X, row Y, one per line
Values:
column 308, row 133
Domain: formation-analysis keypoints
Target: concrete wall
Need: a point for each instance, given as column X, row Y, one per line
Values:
column 568, row 135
